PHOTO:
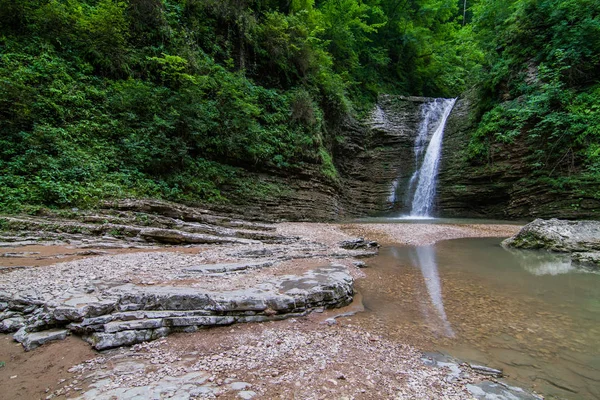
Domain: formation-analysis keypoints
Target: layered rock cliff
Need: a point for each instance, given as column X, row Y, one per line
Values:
column 371, row 156
column 377, row 154
column 379, row 159
column 501, row 187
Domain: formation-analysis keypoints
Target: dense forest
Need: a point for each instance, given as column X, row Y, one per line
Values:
column 173, row 99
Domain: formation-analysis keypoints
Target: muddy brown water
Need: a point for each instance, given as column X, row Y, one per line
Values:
column 13, row 257
column 528, row 313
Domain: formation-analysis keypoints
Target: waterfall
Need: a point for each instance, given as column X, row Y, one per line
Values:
column 430, row 114
column 435, row 115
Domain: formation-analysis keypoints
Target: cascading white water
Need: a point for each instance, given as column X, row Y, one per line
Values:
column 430, row 114
column 422, row 202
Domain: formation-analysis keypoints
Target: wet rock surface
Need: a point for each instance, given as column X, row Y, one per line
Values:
column 484, row 389
column 581, row 239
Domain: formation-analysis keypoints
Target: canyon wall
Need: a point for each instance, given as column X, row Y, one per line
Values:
column 374, row 153
column 370, row 155
column 502, row 187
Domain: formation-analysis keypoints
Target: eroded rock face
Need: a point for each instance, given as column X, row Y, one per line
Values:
column 499, row 186
column 378, row 155
column 579, row 238
column 125, row 314
column 138, row 223
column 374, row 153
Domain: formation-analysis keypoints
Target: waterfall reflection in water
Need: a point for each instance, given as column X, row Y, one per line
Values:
column 424, row 259
column 532, row 314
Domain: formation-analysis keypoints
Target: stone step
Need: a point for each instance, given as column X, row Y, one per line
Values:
column 35, row 339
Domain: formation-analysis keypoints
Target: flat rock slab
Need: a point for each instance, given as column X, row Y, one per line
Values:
column 487, row 390
column 581, row 239
column 483, row 370
column 120, row 314
column 171, row 236
column 484, row 390
column 187, row 386
column 228, row 267
column 35, row 339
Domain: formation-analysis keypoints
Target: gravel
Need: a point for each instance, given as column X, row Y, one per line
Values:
column 292, row 359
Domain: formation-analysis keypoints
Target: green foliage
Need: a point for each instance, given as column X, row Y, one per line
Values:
column 347, row 25
column 541, row 85
column 75, row 131
column 173, row 99
column 328, row 168
column 427, row 52
column 176, row 99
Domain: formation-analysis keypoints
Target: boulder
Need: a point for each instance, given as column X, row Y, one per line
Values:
column 581, row 239
column 103, row 341
column 12, row 324
column 358, row 243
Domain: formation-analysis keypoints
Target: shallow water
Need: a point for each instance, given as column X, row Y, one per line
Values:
column 408, row 219
column 533, row 315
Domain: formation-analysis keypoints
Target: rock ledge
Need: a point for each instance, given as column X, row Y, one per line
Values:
column 125, row 314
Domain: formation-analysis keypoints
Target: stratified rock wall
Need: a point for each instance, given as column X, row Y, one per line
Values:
column 372, row 155
column 378, row 153
column 465, row 190
column 499, row 187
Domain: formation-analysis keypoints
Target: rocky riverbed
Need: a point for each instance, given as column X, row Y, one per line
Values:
column 139, row 272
